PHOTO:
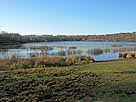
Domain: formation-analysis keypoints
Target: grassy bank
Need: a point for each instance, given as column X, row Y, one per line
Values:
column 112, row 81
column 44, row 61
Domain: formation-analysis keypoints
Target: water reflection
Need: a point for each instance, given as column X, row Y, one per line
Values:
column 99, row 50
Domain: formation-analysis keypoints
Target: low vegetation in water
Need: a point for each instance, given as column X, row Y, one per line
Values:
column 112, row 81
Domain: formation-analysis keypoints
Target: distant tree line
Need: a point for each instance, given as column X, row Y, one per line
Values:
column 16, row 38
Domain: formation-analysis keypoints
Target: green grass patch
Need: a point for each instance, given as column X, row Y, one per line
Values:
column 97, row 82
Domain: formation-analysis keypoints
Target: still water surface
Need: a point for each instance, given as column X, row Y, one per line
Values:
column 97, row 50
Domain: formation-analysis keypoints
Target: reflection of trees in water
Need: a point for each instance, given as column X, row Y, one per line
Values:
column 8, row 46
column 3, row 50
column 97, row 51
column 115, row 50
column 38, row 47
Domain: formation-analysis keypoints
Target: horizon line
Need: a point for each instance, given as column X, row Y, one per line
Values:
column 68, row 34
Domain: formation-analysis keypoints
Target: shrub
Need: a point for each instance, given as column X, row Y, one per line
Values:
column 130, row 55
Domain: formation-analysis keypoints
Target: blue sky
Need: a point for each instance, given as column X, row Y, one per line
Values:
column 68, row 16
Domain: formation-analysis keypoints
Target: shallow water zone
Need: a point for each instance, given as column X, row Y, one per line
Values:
column 98, row 50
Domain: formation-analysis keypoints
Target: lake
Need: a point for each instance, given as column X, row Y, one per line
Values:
column 97, row 50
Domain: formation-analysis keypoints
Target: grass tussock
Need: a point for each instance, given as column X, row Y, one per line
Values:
column 127, row 55
column 45, row 61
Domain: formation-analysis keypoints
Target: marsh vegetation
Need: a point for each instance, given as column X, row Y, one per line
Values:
column 97, row 50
